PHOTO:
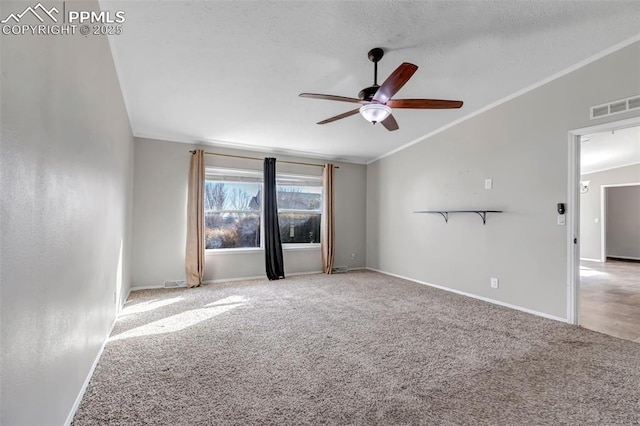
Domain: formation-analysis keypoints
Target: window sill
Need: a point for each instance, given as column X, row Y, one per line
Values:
column 248, row 250
column 300, row 247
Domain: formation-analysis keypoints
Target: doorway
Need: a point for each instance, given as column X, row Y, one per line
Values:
column 603, row 286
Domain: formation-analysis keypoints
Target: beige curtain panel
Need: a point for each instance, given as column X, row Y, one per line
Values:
column 194, row 263
column 328, row 234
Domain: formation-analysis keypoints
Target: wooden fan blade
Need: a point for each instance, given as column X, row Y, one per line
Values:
column 424, row 103
column 394, row 82
column 331, row 98
column 390, row 123
column 341, row 116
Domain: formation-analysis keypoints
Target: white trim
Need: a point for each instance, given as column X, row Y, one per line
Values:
column 609, row 125
column 591, row 260
column 199, row 142
column 603, row 224
column 474, row 296
column 611, row 185
column 300, row 246
column 124, row 301
column 151, row 287
column 611, row 168
column 224, row 280
column 573, row 230
column 78, row 400
column 555, row 76
column 624, row 257
column 244, row 250
column 254, row 250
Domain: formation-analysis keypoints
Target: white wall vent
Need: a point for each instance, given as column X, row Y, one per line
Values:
column 615, row 107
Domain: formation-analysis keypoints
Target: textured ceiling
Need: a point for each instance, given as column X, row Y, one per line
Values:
column 610, row 149
column 229, row 72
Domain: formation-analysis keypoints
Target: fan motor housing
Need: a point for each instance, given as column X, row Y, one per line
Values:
column 368, row 93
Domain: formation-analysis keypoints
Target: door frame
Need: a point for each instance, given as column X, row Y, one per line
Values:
column 573, row 219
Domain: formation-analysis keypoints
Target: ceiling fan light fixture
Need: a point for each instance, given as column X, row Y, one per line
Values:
column 375, row 113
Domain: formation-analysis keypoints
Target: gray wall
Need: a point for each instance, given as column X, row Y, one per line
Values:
column 159, row 216
column 623, row 221
column 523, row 146
column 590, row 203
column 66, row 173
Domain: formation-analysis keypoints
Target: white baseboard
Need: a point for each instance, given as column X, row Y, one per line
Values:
column 591, row 260
column 150, row 287
column 78, row 400
column 227, row 280
column 474, row 296
column 624, row 257
column 123, row 301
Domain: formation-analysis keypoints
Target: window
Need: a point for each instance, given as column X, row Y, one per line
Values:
column 233, row 210
column 299, row 208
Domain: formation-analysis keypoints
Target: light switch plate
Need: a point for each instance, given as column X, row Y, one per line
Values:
column 488, row 183
column 561, row 220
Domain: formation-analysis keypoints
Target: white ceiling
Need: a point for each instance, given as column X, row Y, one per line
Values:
column 610, row 149
column 229, row 72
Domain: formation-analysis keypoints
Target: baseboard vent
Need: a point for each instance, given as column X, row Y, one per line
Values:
column 174, row 283
column 615, row 107
column 339, row 270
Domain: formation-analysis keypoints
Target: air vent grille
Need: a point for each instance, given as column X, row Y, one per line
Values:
column 599, row 111
column 615, row 107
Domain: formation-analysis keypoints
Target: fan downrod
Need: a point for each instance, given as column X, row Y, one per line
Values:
column 367, row 93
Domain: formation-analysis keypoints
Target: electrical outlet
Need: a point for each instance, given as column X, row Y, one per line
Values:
column 494, row 283
column 353, row 256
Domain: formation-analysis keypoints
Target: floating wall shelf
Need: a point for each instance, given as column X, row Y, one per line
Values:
column 445, row 213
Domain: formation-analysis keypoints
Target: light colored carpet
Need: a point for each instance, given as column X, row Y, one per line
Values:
column 356, row 348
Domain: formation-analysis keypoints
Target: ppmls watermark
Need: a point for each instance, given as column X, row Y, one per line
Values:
column 61, row 18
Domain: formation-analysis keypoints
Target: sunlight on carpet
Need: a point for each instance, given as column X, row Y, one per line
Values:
column 182, row 320
column 147, row 306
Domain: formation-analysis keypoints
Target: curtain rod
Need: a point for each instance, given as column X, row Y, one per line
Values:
column 256, row 158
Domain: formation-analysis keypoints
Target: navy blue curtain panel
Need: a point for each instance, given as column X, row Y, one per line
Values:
column 272, row 245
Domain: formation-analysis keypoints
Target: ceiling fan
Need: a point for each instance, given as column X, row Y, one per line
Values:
column 376, row 100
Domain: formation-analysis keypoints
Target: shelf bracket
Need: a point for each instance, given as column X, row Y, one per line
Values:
column 483, row 215
column 446, row 216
